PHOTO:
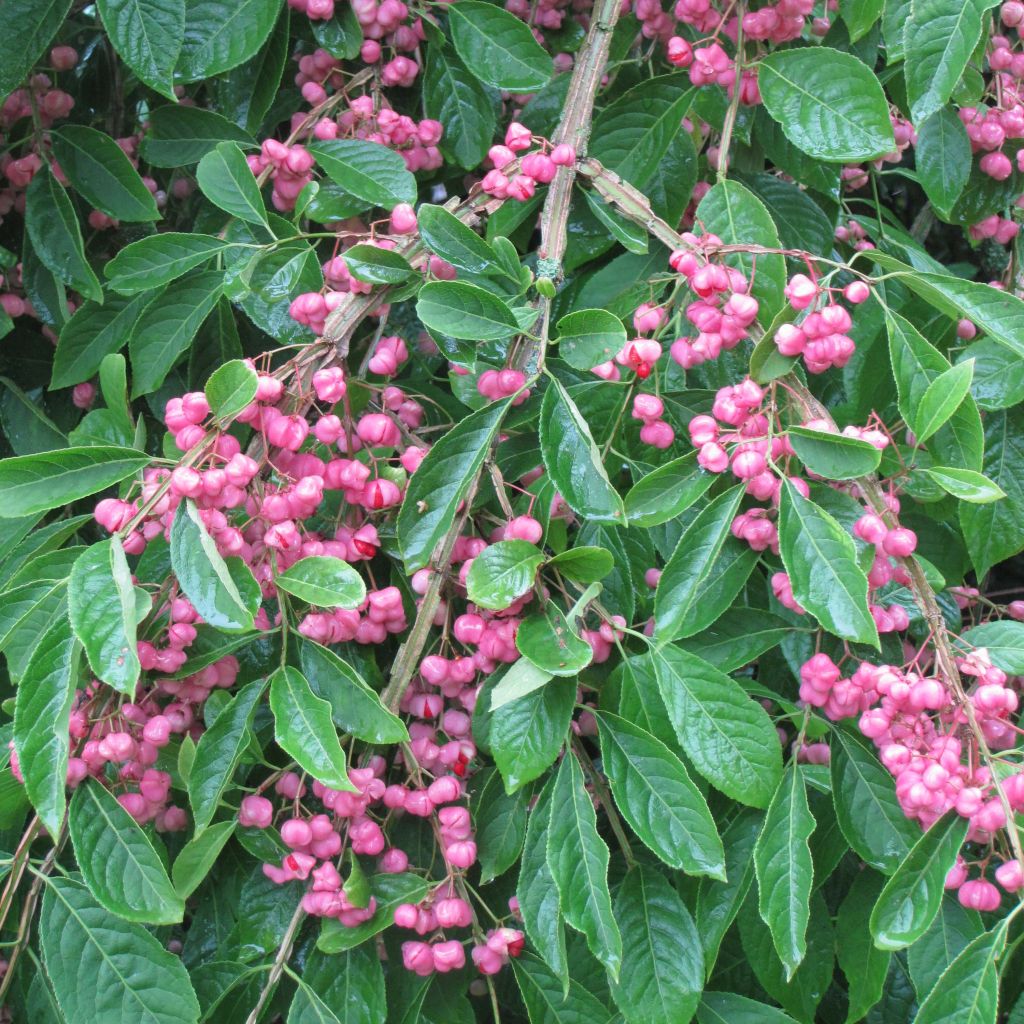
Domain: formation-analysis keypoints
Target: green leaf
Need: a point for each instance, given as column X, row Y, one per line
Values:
column 206, row 578
column 304, row 730
column 522, row 678
column 942, row 398
column 583, row 564
column 550, row 641
column 498, row 47
column 123, row 871
column 377, row 266
column 167, row 327
column 864, row 965
column 656, row 796
column 737, row 638
column 527, row 734
column 912, row 896
column 93, row 333
column 948, row 935
column 548, row 1003
column 462, row 104
column 827, row 103
column 667, row 491
column 56, row 237
column 730, row 1008
column 834, row 456
column 105, row 970
column 821, row 560
column 866, row 807
column 101, row 605
column 503, row 572
column 35, row 483
column 179, row 136
column 940, row 36
column 42, row 710
column 154, row 261
column 965, row 484
column 221, row 34
column 995, row 531
column 443, row 480
column 324, row 581
column 782, row 863
column 943, row 158
column 228, row 182
column 630, row 236
column 349, row 987
column 726, row 734
column 967, row 992
column 998, row 374
column 589, row 337
column 465, row 310
column 539, row 902
column 355, row 707
column 738, row 217
column 449, row 238
column 27, row 428
column 1004, row 641
column 572, row 459
column 665, row 973
column 389, row 891
column 27, row 28
column 578, row 858
column 367, row 170
column 231, row 387
column 499, row 823
column 148, row 35
column 218, row 752
column 198, row 855
column 860, row 17
column 100, row 170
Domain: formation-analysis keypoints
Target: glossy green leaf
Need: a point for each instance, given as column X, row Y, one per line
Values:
column 101, row 172
column 101, row 605
column 218, row 752
column 221, row 34
column 737, row 638
column 93, row 333
column 821, row 560
column 550, row 641
column 324, row 581
column 656, row 796
column 785, row 873
column 355, row 707
column 664, row 975
column 911, row 898
column 708, row 568
column 965, row 484
column 231, row 387
column 1004, row 641
column 499, row 822
column 225, row 599
column 228, row 182
column 498, row 47
column 465, row 106
column 730, row 1008
column 667, row 491
column 864, row 965
column 118, row 862
column 377, row 266
column 198, row 856
column 583, row 564
column 462, row 310
column 828, row 103
column 943, row 158
column 179, row 136
column 503, row 572
column 453, row 241
column 866, row 807
column 442, row 481
column 154, row 261
column 941, row 399
column 834, row 456
column 367, row 170
column 35, row 483
column 305, row 731
column 573, row 461
column 346, row 988
column 588, row 337
column 578, row 858
column 726, row 734
column 42, row 710
column 526, row 734
column 108, row 971
column 52, row 226
column 522, row 678
column 148, row 35
column 27, row 27
column 860, row 16
column 953, row 929
column 389, row 891
column 547, row 1003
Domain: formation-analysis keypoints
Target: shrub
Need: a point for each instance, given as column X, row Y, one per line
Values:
column 511, row 512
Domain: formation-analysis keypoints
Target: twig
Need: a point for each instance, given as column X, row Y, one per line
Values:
column 280, row 961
